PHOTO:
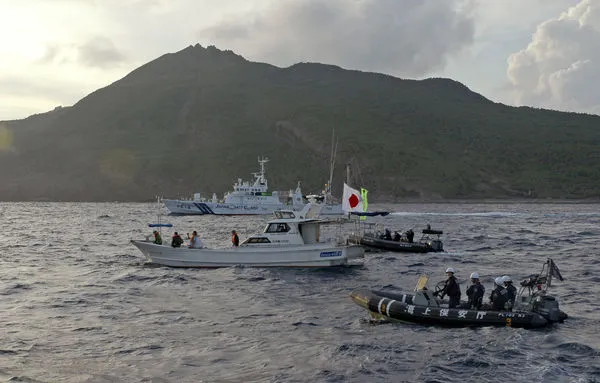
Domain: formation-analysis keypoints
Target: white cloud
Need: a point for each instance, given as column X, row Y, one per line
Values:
column 556, row 70
column 54, row 52
column 73, row 47
column 406, row 38
column 98, row 51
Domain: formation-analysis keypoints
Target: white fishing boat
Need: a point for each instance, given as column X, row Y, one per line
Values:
column 247, row 198
column 292, row 239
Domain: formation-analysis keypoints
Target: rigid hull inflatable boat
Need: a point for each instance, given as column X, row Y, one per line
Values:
column 533, row 306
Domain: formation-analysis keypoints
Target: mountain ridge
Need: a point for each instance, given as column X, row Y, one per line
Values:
column 195, row 120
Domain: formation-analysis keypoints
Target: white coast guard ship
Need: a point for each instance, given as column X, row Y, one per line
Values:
column 247, row 198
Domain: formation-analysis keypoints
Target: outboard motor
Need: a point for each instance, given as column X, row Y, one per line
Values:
column 547, row 306
column 436, row 245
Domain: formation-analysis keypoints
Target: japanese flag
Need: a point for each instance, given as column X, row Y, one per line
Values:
column 352, row 200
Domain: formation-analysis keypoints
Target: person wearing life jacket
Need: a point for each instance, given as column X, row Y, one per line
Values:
column 176, row 241
column 499, row 295
column 475, row 293
column 451, row 289
column 235, row 240
column 157, row 237
column 511, row 292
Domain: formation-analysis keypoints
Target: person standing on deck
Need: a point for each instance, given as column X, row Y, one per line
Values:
column 475, row 293
column 235, row 240
column 499, row 295
column 451, row 289
column 511, row 292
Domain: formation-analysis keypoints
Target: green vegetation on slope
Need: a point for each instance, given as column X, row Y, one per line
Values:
column 196, row 120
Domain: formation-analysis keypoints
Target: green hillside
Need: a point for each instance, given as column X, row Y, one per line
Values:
column 196, row 120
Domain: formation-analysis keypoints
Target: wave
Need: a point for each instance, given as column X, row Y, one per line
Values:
column 459, row 214
column 78, row 286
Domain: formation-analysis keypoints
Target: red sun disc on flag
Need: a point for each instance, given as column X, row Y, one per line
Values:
column 353, row 201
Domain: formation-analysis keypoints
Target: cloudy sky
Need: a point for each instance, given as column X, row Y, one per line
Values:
column 520, row 52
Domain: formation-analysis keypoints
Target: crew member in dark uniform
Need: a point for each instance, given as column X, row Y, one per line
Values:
column 451, row 289
column 499, row 295
column 475, row 293
column 511, row 291
column 388, row 235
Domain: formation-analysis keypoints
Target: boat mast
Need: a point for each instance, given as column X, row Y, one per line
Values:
column 260, row 177
column 331, row 165
column 348, row 173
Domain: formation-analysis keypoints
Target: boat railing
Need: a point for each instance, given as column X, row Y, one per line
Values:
column 362, row 227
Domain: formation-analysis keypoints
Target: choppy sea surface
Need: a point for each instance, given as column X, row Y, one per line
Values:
column 78, row 303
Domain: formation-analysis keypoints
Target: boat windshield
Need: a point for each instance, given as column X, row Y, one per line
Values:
column 284, row 214
column 277, row 228
column 257, row 240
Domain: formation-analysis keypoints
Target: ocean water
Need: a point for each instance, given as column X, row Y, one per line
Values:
column 78, row 303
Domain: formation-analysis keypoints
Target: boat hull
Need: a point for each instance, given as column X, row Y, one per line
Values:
column 400, row 307
column 183, row 207
column 202, row 208
column 318, row 255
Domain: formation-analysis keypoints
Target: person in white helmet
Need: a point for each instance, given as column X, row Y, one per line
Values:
column 511, row 291
column 499, row 295
column 475, row 293
column 451, row 289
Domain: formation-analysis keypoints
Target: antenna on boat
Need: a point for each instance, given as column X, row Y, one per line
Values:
column 334, row 144
column 348, row 174
column 543, row 281
column 552, row 271
column 158, row 209
column 262, row 180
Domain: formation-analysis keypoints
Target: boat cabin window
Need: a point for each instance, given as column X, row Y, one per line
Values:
column 257, row 240
column 277, row 228
column 281, row 214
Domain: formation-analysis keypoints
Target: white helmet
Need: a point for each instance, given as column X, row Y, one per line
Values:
column 450, row 270
column 499, row 281
column 506, row 278
column 474, row 276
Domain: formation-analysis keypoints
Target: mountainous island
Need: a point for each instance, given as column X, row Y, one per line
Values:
column 197, row 119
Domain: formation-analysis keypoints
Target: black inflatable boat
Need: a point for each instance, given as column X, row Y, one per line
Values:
column 533, row 306
column 399, row 242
